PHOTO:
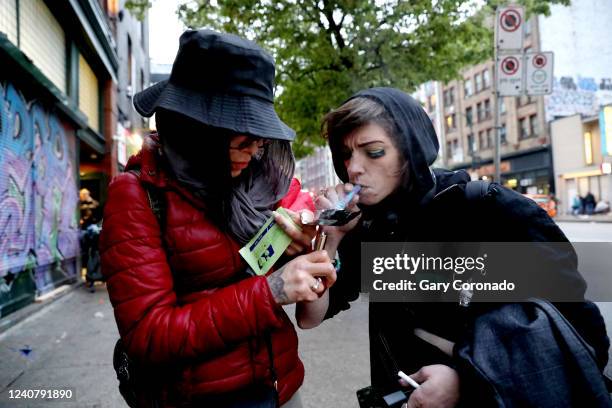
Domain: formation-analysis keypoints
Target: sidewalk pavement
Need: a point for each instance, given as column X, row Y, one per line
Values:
column 584, row 218
column 68, row 344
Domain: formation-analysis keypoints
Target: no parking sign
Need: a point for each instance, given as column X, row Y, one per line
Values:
column 539, row 75
column 509, row 28
column 510, row 74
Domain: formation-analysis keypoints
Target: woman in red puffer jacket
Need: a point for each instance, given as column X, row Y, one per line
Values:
column 201, row 327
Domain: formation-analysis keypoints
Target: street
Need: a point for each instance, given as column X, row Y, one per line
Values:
column 69, row 344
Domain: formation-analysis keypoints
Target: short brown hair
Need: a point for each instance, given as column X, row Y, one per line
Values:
column 353, row 114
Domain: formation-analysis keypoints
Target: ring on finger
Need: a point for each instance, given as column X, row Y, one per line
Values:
column 316, row 285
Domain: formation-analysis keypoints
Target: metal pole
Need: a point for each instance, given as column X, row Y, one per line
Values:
column 497, row 138
column 496, row 160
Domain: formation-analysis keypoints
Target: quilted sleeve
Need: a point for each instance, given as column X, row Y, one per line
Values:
column 296, row 199
column 140, row 285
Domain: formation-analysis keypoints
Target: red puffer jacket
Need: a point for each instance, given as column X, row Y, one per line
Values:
column 185, row 306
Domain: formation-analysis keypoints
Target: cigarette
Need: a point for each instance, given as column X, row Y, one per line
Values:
column 409, row 380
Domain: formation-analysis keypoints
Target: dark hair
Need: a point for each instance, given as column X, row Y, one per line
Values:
column 200, row 151
column 350, row 116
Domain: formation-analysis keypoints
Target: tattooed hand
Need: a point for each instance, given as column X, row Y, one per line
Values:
column 297, row 280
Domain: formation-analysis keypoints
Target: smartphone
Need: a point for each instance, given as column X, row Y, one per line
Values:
column 370, row 397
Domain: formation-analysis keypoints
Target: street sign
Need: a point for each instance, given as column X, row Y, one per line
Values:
column 509, row 76
column 509, row 28
column 539, row 73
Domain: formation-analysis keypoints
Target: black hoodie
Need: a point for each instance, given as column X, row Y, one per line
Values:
column 433, row 208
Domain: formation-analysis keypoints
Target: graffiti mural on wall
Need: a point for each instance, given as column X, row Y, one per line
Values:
column 38, row 192
column 582, row 95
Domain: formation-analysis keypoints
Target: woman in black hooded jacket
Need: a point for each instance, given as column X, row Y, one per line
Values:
column 383, row 140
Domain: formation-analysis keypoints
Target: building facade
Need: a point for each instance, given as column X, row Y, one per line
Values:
column 59, row 68
column 430, row 96
column 468, row 131
column 316, row 171
column 582, row 161
column 579, row 106
column 578, row 35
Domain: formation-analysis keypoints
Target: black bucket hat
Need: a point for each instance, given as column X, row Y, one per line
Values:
column 221, row 80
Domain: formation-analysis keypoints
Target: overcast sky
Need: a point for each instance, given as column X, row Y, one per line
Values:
column 164, row 31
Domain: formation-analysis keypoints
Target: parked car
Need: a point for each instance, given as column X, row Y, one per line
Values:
column 544, row 201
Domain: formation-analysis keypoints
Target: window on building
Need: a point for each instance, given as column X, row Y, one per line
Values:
column 89, row 96
column 487, row 109
column 41, row 37
column 489, row 138
column 479, row 111
column 481, row 140
column 486, row 78
column 452, row 147
column 478, row 82
column 503, row 134
column 524, row 128
column 471, row 143
column 451, row 123
column 467, row 87
column 588, row 148
column 8, row 20
column 469, row 116
column 502, row 105
column 449, row 96
column 534, row 125
column 130, row 69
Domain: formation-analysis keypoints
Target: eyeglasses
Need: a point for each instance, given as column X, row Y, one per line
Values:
column 248, row 142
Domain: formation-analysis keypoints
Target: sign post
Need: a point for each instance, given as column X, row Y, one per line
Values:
column 508, row 64
column 516, row 72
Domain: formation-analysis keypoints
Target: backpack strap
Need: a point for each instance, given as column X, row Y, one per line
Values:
column 156, row 198
column 477, row 189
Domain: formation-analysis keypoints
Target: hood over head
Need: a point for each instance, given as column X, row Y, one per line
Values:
column 415, row 136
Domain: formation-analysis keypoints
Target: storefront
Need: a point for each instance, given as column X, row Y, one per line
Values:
column 528, row 172
column 56, row 81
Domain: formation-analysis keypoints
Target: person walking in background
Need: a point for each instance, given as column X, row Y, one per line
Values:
column 576, row 205
column 88, row 237
column 89, row 209
column 589, row 203
column 201, row 327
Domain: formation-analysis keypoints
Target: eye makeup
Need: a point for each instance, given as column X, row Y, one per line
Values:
column 376, row 153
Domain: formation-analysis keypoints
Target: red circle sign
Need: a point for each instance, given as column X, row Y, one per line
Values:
column 510, row 20
column 539, row 60
column 509, row 65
